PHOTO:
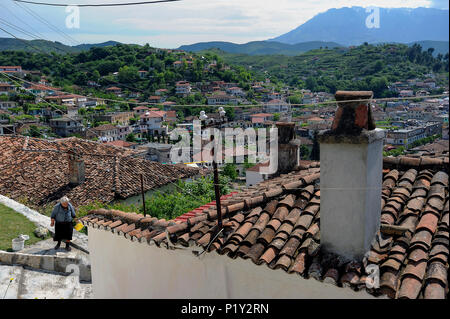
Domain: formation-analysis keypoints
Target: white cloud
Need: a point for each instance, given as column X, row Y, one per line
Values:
column 189, row 21
column 439, row 4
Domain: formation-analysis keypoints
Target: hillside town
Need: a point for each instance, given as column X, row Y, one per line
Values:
column 310, row 165
column 414, row 122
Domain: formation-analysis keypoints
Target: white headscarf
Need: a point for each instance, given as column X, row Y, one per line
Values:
column 64, row 199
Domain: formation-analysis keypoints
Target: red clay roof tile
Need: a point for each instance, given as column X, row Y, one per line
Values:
column 410, row 288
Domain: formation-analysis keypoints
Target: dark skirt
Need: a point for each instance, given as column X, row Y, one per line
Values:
column 63, row 231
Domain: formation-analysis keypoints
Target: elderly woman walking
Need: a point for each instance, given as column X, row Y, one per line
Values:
column 62, row 216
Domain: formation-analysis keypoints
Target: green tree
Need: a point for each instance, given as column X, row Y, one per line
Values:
column 34, row 131
column 128, row 74
column 131, row 138
column 304, row 152
column 95, row 76
column 80, row 78
column 230, row 170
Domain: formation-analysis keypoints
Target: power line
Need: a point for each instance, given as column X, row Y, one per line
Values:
column 24, row 41
column 30, row 34
column 17, row 28
column 19, row 19
column 95, row 5
column 48, row 24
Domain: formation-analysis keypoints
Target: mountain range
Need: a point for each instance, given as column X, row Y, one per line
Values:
column 277, row 48
column 341, row 27
column 354, row 26
column 47, row 46
column 347, row 27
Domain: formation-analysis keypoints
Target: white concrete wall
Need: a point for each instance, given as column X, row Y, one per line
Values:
column 253, row 178
column 125, row 269
column 350, row 201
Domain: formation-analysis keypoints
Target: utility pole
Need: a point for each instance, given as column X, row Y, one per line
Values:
column 142, row 192
column 203, row 117
column 217, row 189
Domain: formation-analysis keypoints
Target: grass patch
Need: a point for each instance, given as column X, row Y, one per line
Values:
column 12, row 224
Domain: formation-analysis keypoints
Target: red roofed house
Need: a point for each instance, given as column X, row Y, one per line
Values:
column 221, row 98
column 406, row 93
column 177, row 64
column 42, row 90
column 171, row 116
column 151, row 122
column 104, row 133
column 155, row 99
column 236, row 91
column 277, row 106
column 121, row 143
column 142, row 74
column 68, row 99
column 139, row 110
column 161, row 92
column 274, row 96
column 12, row 69
column 261, row 117
column 168, row 105
column 6, row 88
column 183, row 88
column 114, row 90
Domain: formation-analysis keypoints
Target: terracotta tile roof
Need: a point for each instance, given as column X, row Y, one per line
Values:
column 104, row 127
column 137, row 108
column 121, row 143
column 153, row 114
column 277, row 224
column 262, row 115
column 171, row 113
column 437, row 147
column 258, row 119
column 42, row 176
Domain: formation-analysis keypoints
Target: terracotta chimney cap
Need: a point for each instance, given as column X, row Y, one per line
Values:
column 353, row 95
column 285, row 123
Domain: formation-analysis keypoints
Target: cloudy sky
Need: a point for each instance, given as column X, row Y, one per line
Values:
column 170, row 25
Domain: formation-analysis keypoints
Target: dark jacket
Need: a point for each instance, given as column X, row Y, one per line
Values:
column 63, row 215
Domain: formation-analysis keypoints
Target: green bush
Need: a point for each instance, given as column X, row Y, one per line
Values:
column 186, row 197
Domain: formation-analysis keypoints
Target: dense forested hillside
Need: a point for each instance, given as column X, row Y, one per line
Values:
column 260, row 47
column 7, row 44
column 100, row 63
column 364, row 67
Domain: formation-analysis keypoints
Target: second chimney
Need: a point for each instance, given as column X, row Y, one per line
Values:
column 76, row 169
column 288, row 147
column 351, row 158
